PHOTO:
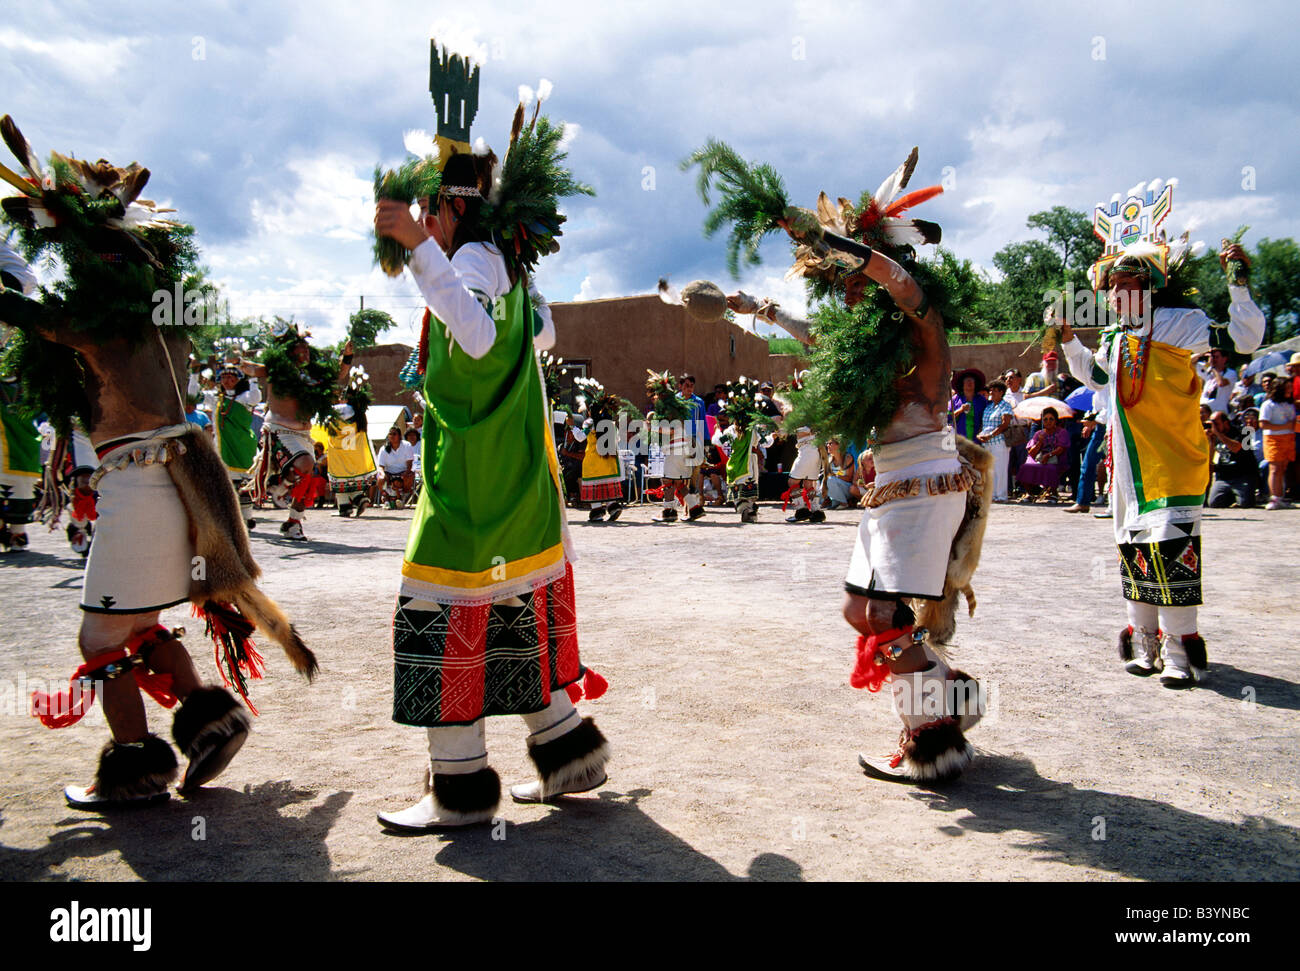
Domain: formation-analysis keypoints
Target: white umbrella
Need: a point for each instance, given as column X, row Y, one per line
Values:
column 1032, row 408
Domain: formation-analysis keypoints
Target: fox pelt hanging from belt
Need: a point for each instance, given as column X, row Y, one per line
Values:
column 939, row 617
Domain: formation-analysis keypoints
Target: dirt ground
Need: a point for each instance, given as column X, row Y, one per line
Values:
column 734, row 728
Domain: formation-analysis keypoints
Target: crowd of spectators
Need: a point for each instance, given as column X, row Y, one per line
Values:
column 1250, row 428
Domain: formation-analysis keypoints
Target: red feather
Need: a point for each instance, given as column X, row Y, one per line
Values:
column 870, row 216
column 913, row 199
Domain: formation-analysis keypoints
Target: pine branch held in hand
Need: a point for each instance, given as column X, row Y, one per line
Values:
column 414, row 179
column 753, row 199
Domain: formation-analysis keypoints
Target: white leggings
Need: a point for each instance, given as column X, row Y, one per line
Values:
column 462, row 749
column 1175, row 621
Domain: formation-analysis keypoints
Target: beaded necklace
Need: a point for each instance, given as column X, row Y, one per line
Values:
column 1136, row 368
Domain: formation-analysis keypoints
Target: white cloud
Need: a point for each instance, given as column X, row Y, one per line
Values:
column 85, row 61
column 1221, row 215
column 331, row 201
column 267, row 145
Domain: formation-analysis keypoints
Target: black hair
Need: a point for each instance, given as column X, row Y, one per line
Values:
column 470, row 171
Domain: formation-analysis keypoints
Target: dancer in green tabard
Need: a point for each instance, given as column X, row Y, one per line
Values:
column 485, row 620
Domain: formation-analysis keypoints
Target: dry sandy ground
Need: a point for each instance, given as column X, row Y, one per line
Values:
column 735, row 729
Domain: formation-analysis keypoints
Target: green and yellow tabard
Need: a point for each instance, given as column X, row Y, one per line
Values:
column 20, row 445
column 485, row 621
column 488, row 522
column 236, row 442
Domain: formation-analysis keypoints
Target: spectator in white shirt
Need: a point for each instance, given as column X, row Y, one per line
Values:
column 396, row 461
column 1219, row 379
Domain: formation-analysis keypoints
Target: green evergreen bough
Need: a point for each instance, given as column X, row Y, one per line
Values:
column 313, row 386
column 117, row 255
column 416, row 178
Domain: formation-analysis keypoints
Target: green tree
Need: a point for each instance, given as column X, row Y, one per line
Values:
column 1032, row 267
column 1275, row 282
column 1069, row 231
column 969, row 303
column 1029, row 269
column 365, row 325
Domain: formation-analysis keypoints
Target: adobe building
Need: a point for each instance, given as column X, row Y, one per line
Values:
column 616, row 340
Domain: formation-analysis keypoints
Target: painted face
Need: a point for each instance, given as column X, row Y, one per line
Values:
column 302, row 352
column 1127, row 294
column 854, row 289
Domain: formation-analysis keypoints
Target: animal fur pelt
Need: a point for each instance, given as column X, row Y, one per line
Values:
column 939, row 617
column 220, row 538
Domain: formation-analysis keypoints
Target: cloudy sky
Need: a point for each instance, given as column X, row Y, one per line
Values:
column 263, row 122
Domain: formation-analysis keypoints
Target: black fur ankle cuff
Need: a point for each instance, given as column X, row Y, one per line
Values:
column 475, row 792
column 571, row 754
column 205, row 710
column 131, row 771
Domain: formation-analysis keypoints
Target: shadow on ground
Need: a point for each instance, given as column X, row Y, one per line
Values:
column 1266, row 691
column 606, row 838
column 1143, row 839
column 244, row 836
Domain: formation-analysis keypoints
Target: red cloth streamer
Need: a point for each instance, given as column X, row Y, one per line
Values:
column 423, row 359
column 308, row 489
column 83, row 505
column 63, row 709
column 871, row 670
column 803, row 491
column 657, row 493
column 236, row 655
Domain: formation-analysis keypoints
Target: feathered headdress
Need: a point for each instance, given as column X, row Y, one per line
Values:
column 118, row 252
column 1132, row 240
column 661, row 387
column 76, row 198
column 358, row 395
column 601, row 405
column 741, row 403
column 754, row 202
column 522, row 210
column 552, row 370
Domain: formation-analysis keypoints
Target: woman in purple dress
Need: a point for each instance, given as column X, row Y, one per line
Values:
column 966, row 407
column 1048, row 457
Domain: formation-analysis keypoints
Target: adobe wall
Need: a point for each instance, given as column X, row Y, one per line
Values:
column 383, row 362
column 622, row 337
column 993, row 359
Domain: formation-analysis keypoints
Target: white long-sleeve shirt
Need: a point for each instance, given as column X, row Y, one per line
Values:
column 1179, row 327
column 462, row 291
column 250, row 399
